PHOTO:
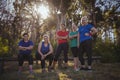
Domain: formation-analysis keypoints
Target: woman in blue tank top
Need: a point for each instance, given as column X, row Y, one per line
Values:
column 45, row 51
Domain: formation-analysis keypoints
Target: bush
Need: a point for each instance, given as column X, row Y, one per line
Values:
column 117, row 53
column 107, row 50
column 3, row 47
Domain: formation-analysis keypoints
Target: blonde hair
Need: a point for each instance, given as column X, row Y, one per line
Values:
column 84, row 18
column 73, row 25
column 45, row 35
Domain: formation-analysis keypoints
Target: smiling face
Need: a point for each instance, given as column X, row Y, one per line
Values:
column 74, row 28
column 46, row 38
column 63, row 27
column 84, row 20
column 25, row 37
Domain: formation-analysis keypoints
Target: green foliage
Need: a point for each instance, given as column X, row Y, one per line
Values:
column 11, row 29
column 3, row 47
column 8, row 50
column 117, row 53
column 107, row 50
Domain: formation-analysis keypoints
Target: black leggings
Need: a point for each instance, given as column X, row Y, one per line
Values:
column 62, row 47
column 23, row 57
column 74, row 51
column 85, row 46
column 49, row 57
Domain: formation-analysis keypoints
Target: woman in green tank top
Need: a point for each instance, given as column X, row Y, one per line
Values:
column 73, row 45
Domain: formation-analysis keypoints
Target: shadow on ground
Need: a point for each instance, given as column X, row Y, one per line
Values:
column 101, row 71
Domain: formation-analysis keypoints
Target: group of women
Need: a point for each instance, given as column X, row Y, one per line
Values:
column 80, row 42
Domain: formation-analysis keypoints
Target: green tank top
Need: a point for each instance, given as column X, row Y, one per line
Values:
column 73, row 42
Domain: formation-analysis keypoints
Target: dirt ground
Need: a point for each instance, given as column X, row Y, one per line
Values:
column 101, row 71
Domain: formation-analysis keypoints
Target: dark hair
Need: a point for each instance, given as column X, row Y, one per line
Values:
column 25, row 34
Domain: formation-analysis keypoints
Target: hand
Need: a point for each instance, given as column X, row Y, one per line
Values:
column 45, row 56
column 87, row 34
column 27, row 48
column 42, row 57
column 73, row 37
column 24, row 48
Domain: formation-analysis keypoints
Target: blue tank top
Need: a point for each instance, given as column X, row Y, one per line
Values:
column 44, row 49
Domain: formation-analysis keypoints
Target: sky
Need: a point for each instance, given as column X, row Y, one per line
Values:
column 106, row 2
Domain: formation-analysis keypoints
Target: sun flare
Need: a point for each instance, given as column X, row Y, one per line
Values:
column 44, row 11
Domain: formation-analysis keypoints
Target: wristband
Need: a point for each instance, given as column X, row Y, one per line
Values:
column 90, row 34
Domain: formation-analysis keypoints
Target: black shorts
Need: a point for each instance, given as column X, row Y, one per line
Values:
column 74, row 51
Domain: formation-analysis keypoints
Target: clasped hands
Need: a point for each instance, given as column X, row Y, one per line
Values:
column 43, row 57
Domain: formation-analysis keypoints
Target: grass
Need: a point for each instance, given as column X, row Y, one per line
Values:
column 102, row 71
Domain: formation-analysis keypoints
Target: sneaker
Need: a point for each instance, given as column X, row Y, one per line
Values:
column 31, row 72
column 82, row 68
column 52, row 68
column 66, row 65
column 88, row 69
column 49, row 69
column 43, row 71
column 77, row 69
column 19, row 72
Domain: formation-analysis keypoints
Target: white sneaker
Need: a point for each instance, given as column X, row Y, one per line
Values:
column 76, row 69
